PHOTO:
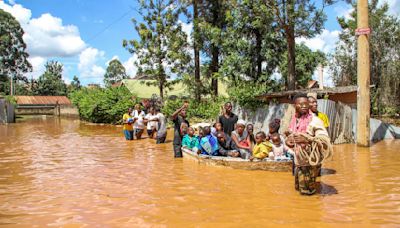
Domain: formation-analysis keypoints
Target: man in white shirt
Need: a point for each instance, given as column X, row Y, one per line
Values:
column 152, row 122
column 138, row 118
column 162, row 127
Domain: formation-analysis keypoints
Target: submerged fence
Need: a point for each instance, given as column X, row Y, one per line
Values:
column 7, row 111
column 342, row 118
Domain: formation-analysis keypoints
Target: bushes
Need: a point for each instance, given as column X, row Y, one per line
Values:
column 100, row 105
column 206, row 110
column 245, row 94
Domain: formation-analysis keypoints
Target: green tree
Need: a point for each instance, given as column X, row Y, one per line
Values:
column 115, row 73
column 307, row 62
column 250, row 43
column 211, row 25
column 162, row 48
column 75, row 85
column 384, row 57
column 13, row 56
column 50, row 83
column 297, row 18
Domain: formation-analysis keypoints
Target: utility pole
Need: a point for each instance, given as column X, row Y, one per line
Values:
column 363, row 75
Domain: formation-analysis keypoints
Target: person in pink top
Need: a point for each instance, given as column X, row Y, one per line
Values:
column 306, row 134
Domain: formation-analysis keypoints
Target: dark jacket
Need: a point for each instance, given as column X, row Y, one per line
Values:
column 226, row 147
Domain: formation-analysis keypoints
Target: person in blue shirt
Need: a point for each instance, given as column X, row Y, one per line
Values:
column 208, row 143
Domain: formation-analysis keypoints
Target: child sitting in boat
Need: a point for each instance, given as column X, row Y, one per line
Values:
column 190, row 140
column 217, row 127
column 241, row 139
column 262, row 148
column 279, row 150
column 274, row 127
column 227, row 146
column 208, row 143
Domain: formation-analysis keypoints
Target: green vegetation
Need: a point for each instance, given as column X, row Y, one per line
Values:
column 13, row 55
column 384, row 57
column 162, row 47
column 204, row 111
column 50, row 83
column 102, row 105
column 115, row 73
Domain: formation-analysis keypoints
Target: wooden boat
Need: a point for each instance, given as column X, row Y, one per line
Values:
column 239, row 163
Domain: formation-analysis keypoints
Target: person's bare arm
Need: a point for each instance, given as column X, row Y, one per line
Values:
column 235, row 139
column 176, row 113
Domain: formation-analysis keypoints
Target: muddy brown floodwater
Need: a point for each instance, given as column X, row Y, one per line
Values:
column 63, row 172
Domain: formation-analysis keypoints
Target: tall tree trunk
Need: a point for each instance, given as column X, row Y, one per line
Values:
column 214, row 69
column 196, row 52
column 291, row 77
column 215, row 50
column 290, row 39
column 258, row 54
column 161, row 88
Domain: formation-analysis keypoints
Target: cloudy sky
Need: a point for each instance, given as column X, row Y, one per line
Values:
column 84, row 35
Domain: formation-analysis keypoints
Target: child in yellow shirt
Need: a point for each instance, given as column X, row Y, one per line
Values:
column 262, row 147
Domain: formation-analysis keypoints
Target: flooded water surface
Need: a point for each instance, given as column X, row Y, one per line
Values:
column 62, row 172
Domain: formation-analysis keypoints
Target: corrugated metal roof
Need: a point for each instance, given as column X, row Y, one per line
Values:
column 42, row 100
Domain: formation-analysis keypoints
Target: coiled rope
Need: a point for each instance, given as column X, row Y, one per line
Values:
column 321, row 149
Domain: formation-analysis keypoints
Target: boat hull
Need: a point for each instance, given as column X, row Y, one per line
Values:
column 238, row 163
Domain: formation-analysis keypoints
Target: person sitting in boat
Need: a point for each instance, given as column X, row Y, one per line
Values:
column 262, row 148
column 250, row 131
column 273, row 127
column 311, row 145
column 227, row 146
column 279, row 149
column 190, row 140
column 217, row 127
column 208, row 143
column 241, row 139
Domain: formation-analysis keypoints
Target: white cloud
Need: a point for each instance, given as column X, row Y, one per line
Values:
column 19, row 12
column 325, row 42
column 88, row 63
column 187, row 28
column 130, row 66
column 46, row 36
column 344, row 11
column 328, row 81
column 38, row 66
column 394, row 6
column 12, row 2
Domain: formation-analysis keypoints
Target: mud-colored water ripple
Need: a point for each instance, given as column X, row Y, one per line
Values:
column 63, row 172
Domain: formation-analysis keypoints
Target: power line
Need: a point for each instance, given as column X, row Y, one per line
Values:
column 112, row 23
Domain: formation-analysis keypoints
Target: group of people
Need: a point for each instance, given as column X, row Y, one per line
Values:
column 231, row 137
column 306, row 141
column 135, row 121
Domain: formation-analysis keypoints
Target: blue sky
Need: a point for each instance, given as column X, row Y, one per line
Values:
column 85, row 35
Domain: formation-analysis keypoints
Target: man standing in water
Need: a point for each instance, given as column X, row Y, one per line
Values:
column 311, row 143
column 228, row 119
column 314, row 109
column 179, row 118
column 162, row 127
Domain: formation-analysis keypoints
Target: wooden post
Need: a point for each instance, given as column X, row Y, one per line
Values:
column 321, row 76
column 363, row 76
